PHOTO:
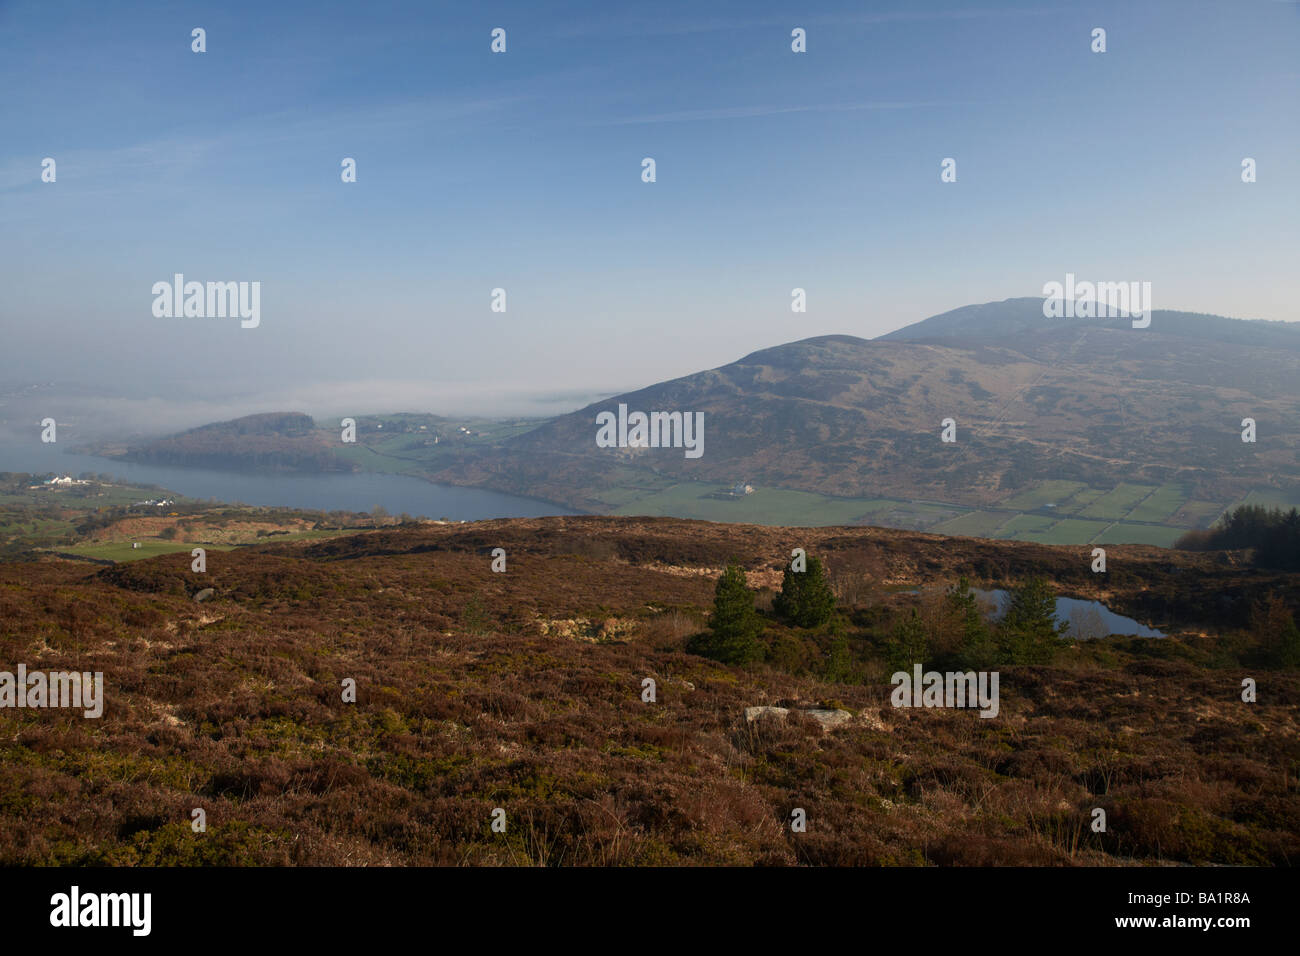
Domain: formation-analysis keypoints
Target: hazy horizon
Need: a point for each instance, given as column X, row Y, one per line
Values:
column 522, row 170
column 133, row 411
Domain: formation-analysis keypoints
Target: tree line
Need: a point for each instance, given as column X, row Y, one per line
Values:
column 1274, row 535
column 949, row 633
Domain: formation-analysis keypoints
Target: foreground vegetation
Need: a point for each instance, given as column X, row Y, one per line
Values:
column 524, row 691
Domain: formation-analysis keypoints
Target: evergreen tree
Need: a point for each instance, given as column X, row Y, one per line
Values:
column 907, row 645
column 1029, row 632
column 839, row 661
column 1275, row 629
column 976, row 650
column 732, row 637
column 806, row 598
column 1273, row 533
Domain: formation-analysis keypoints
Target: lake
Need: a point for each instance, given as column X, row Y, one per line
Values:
column 361, row 491
column 1086, row 618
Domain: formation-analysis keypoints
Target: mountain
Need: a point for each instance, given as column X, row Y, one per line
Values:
column 1067, row 431
column 1034, row 400
column 1016, row 319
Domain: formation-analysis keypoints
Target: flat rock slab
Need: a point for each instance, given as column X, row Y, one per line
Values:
column 753, row 713
column 828, row 718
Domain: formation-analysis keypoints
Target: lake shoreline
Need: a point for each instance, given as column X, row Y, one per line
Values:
column 358, row 491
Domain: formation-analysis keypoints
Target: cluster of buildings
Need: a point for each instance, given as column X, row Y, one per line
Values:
column 60, row 480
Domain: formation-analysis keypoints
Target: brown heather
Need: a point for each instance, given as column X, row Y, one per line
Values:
column 471, row 696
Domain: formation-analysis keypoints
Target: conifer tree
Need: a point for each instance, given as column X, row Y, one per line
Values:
column 907, row 645
column 1275, row 630
column 732, row 637
column 1029, row 632
column 806, row 598
column 976, row 648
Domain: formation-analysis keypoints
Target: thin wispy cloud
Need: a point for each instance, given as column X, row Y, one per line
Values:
column 748, row 112
column 158, row 162
column 153, row 158
column 523, row 171
column 656, row 27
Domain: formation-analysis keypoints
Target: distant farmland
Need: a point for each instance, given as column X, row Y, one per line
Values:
column 1051, row 512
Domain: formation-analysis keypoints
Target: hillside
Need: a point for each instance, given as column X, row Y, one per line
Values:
column 1021, row 321
column 1093, row 405
column 275, row 441
column 1067, row 431
column 522, row 691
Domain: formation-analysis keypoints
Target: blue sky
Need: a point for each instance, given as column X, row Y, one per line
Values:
column 522, row 171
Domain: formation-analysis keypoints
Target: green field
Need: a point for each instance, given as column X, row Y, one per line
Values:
column 619, row 497
column 34, row 526
column 152, row 547
column 1080, row 500
column 1128, row 514
column 974, row 524
column 1122, row 533
column 916, row 515
column 1045, row 493
column 631, row 485
column 1117, row 502
column 773, row 506
column 1162, row 503
column 1076, row 531
column 122, row 550
column 1067, row 531
column 388, row 464
column 1026, row 527
column 1198, row 514
column 1273, row 499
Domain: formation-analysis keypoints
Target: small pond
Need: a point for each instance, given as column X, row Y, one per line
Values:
column 1086, row 618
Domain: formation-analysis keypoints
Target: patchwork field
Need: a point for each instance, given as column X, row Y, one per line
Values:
column 1080, row 500
column 1051, row 512
column 1125, row 533
column 768, row 506
column 1074, row 531
column 975, row 524
column 1273, row 499
column 1026, row 527
column 1117, row 502
column 1045, row 493
column 1160, row 504
column 1196, row 514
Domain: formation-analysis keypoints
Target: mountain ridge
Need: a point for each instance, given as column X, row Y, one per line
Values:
column 1053, row 404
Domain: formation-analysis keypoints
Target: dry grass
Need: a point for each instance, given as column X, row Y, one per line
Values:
column 464, row 706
